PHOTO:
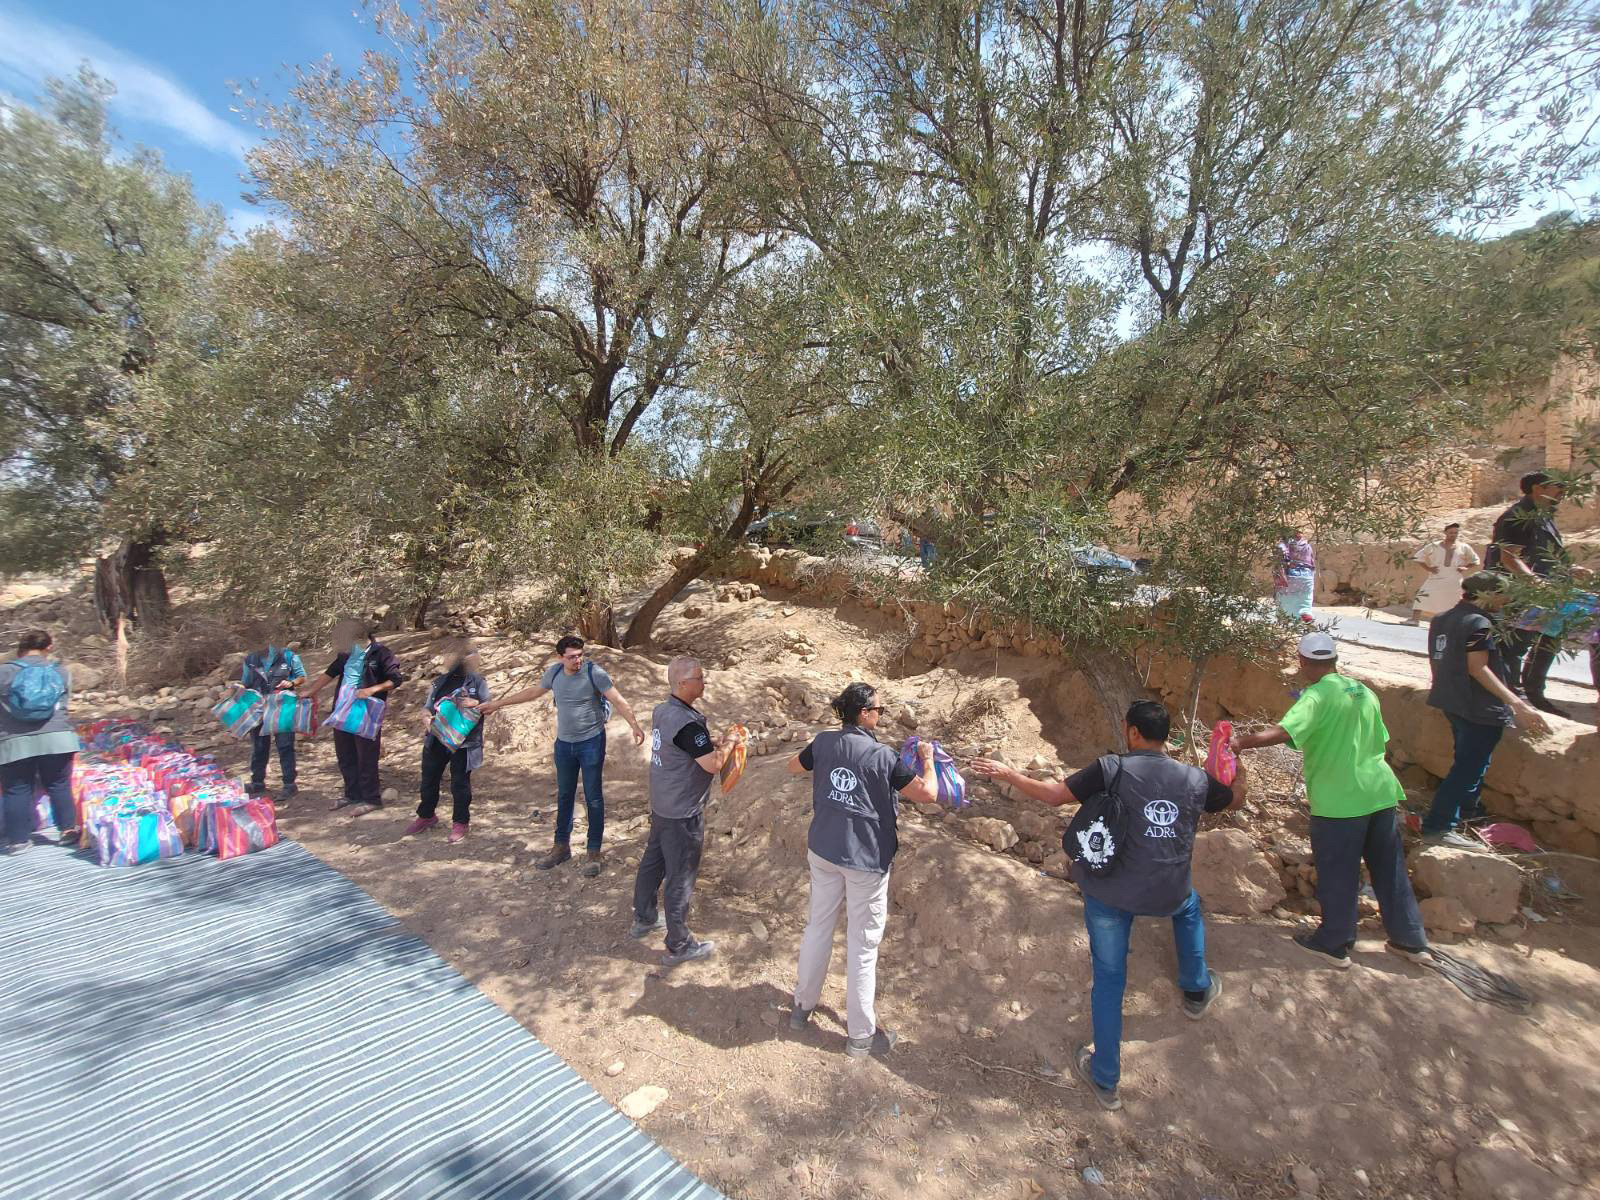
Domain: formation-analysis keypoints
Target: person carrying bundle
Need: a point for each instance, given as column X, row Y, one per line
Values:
column 465, row 689
column 363, row 670
column 268, row 668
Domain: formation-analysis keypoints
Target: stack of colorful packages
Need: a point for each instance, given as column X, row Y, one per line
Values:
column 142, row 797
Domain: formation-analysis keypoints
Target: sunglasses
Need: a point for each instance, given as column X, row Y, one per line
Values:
column 877, row 708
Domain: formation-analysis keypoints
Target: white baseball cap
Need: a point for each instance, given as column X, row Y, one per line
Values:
column 1318, row 647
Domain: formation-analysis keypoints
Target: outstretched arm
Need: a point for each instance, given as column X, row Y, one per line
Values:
column 506, row 701
column 1045, row 791
column 1272, row 735
column 621, row 705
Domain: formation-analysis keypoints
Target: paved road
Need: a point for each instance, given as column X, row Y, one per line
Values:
column 1413, row 639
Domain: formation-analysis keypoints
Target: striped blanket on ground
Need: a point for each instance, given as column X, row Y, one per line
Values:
column 205, row 1030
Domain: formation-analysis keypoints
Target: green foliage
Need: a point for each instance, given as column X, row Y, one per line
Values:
column 103, row 260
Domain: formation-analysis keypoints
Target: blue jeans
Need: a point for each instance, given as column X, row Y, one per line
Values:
column 1460, row 791
column 590, row 758
column 1109, row 932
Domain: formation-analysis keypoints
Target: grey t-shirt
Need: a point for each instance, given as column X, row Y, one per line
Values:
column 580, row 711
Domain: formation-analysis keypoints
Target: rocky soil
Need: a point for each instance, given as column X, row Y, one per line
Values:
column 1383, row 1081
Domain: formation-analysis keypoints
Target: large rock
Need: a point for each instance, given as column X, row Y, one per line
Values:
column 1232, row 875
column 1446, row 914
column 85, row 678
column 1488, row 886
column 1499, row 1171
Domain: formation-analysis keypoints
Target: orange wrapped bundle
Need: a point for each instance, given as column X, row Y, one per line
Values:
column 733, row 765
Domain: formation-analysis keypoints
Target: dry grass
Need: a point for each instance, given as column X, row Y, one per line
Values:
column 193, row 645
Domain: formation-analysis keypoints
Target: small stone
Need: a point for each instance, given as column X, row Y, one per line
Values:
column 1260, row 990
column 391, row 795
column 758, row 929
column 1304, row 1179
column 637, row 1105
column 1446, row 1175
column 963, row 1026
column 1094, row 1177
column 1016, row 1008
column 770, row 1019
column 615, row 1069
column 1361, row 1178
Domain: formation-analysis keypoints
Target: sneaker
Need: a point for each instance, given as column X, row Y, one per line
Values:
column 559, row 853
column 1414, row 954
column 255, row 789
column 1195, row 1008
column 70, row 837
column 1451, row 838
column 799, row 1017
column 344, row 804
column 592, row 867
column 1082, row 1056
column 289, row 793
column 10, row 848
column 1339, row 958
column 691, row 952
column 639, row 930
column 880, row 1043
column 458, row 832
column 420, row 825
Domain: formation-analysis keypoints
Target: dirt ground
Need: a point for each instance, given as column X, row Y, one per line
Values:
column 1374, row 1078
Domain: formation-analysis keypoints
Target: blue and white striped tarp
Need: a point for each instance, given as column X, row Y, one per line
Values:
column 201, row 1030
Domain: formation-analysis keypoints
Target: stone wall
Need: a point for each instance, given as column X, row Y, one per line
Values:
column 1549, row 784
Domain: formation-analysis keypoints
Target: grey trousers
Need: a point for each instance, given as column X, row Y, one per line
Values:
column 864, row 897
column 1339, row 845
column 672, row 858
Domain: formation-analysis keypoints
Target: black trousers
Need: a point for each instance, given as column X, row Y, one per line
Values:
column 671, row 858
column 1338, row 846
column 358, row 763
column 1529, row 656
column 435, row 757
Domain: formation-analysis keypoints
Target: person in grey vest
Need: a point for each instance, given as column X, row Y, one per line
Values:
column 683, row 761
column 1471, row 686
column 1164, row 799
column 854, row 779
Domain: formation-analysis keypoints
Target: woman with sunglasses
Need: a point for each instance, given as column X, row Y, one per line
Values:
column 854, row 779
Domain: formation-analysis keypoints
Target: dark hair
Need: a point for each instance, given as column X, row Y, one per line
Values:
column 1532, row 480
column 34, row 639
column 458, row 649
column 852, row 700
column 356, row 623
column 1452, row 525
column 1150, row 718
column 570, row 642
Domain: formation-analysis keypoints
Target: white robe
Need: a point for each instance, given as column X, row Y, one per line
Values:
column 1441, row 591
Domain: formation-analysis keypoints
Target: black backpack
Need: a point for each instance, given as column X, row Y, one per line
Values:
column 1094, row 838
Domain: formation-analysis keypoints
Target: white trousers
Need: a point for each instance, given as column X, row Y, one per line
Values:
column 864, row 895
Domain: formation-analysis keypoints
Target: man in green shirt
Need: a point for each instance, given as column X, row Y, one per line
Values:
column 1355, row 799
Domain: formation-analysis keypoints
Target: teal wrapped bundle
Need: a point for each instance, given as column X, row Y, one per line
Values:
column 363, row 718
column 452, row 724
column 240, row 713
column 284, row 712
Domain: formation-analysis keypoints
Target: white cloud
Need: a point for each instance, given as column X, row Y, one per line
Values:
column 243, row 221
column 31, row 50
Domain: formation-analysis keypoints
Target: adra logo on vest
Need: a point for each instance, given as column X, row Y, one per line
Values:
column 847, row 791
column 1162, row 815
column 655, row 746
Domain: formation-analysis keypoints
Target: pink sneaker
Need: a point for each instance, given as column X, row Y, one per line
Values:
column 420, row 825
column 458, row 833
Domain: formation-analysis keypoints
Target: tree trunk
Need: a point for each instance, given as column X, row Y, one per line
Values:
column 129, row 587
column 643, row 623
column 419, row 613
column 598, row 623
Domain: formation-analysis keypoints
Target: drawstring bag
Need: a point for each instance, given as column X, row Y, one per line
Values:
column 240, row 713
column 733, row 765
column 1098, row 830
column 1221, row 763
column 952, row 787
column 363, row 718
column 284, row 712
column 452, row 724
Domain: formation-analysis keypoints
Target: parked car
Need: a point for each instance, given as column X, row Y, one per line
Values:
column 814, row 530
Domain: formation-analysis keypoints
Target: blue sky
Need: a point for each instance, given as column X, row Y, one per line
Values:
column 173, row 62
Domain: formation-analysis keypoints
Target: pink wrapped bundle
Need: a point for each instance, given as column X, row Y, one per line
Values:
column 1221, row 764
column 206, row 802
column 245, row 828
